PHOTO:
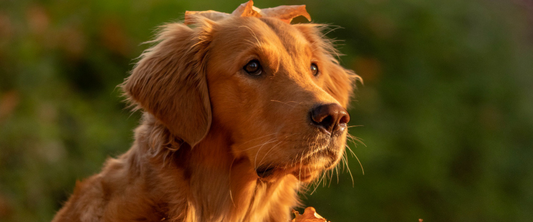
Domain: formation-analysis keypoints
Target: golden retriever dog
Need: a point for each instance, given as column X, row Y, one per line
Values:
column 241, row 111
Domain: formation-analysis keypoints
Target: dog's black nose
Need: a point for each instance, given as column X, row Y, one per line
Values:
column 330, row 117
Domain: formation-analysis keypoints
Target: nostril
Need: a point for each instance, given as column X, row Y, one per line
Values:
column 330, row 117
column 345, row 118
column 320, row 117
column 324, row 120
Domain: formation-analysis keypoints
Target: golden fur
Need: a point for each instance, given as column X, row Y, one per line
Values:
column 208, row 126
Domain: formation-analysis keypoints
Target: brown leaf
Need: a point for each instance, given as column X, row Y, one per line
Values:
column 310, row 215
column 284, row 12
column 247, row 10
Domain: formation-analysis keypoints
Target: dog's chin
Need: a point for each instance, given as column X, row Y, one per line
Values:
column 274, row 174
column 305, row 171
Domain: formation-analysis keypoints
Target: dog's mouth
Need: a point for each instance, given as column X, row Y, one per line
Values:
column 305, row 168
column 304, row 173
column 264, row 172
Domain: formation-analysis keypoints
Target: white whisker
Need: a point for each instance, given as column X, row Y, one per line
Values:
column 350, row 171
column 257, row 153
column 271, row 148
column 318, row 183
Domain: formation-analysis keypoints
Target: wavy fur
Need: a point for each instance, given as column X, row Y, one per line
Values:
column 208, row 127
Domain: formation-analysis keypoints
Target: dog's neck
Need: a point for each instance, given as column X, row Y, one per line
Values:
column 211, row 178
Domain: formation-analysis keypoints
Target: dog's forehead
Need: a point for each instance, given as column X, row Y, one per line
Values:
column 268, row 31
column 291, row 37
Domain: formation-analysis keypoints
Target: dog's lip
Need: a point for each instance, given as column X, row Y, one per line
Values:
column 268, row 171
column 305, row 175
column 303, row 172
column 264, row 172
column 304, row 168
column 326, row 151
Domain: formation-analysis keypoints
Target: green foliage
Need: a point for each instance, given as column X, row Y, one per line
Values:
column 446, row 109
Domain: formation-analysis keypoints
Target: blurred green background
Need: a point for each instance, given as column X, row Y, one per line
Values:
column 446, row 109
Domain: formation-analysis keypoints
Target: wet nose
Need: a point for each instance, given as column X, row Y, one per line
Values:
column 330, row 118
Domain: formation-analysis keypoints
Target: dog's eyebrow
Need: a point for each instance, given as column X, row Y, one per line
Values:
column 266, row 46
column 269, row 55
column 252, row 33
column 309, row 50
column 288, row 38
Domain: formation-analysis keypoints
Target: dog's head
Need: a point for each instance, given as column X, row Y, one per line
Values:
column 274, row 88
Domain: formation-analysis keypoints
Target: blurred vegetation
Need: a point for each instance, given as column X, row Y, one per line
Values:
column 446, row 109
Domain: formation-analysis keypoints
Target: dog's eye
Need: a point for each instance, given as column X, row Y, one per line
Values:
column 253, row 68
column 314, row 69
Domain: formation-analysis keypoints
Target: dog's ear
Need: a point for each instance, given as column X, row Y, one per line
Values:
column 169, row 81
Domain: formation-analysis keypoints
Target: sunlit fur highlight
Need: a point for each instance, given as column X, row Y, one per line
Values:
column 200, row 142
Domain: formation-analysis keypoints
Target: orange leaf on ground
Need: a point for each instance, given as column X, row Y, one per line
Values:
column 309, row 215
